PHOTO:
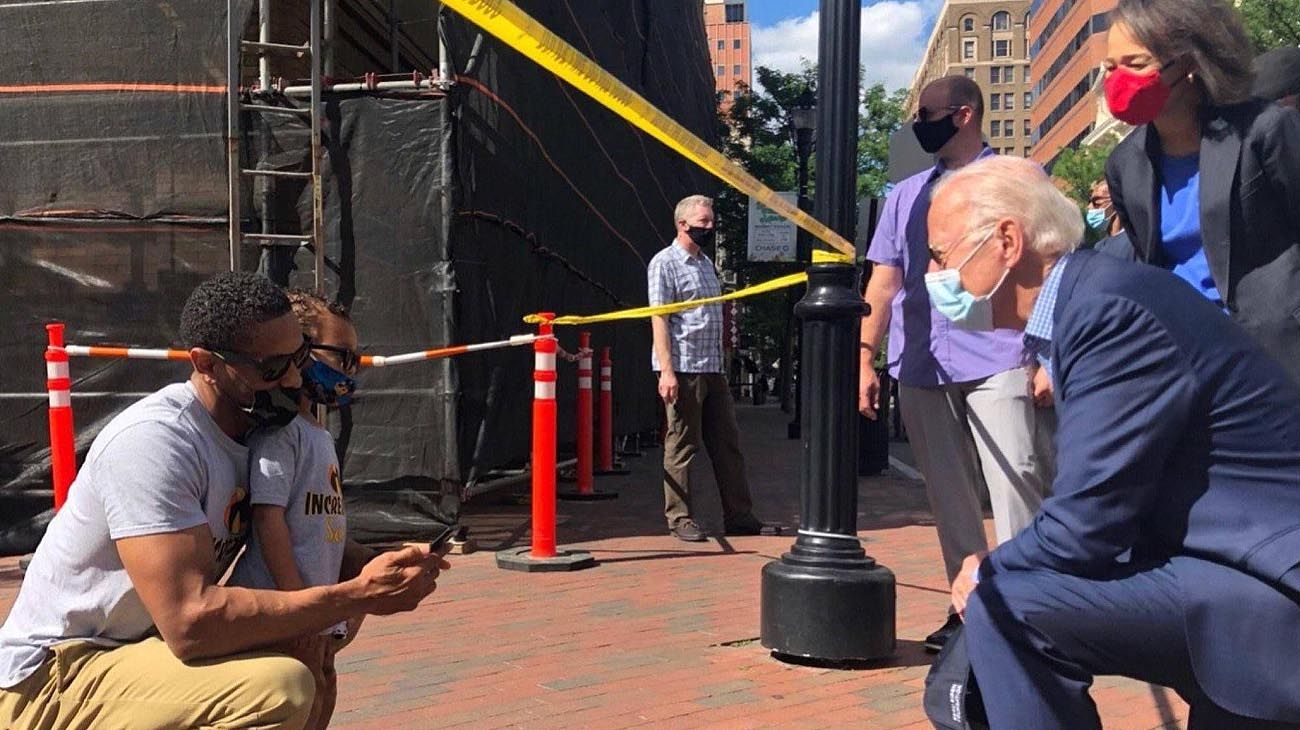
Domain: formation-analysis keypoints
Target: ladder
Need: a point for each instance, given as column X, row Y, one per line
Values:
column 238, row 102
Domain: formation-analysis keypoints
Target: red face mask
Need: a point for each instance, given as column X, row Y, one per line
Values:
column 1135, row 98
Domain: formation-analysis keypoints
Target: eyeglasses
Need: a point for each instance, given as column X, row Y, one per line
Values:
column 349, row 359
column 272, row 368
column 923, row 114
column 940, row 256
column 1099, row 201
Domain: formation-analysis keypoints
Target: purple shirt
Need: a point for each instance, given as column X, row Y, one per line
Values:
column 925, row 348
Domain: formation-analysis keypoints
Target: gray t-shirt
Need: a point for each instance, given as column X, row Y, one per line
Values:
column 162, row 465
column 296, row 468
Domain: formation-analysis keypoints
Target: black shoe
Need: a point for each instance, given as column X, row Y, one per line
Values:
column 687, row 531
column 746, row 525
column 934, row 642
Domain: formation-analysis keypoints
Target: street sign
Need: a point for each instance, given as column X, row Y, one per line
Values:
column 771, row 237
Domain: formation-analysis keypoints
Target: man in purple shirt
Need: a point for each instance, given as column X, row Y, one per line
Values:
column 965, row 395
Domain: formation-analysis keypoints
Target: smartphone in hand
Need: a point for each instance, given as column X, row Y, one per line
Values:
column 438, row 545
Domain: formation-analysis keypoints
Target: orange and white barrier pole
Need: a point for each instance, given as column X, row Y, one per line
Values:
column 63, row 447
column 606, row 410
column 586, row 482
column 605, row 433
column 544, row 441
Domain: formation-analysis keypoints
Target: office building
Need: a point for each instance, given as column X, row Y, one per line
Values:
column 727, row 26
column 1067, row 45
column 986, row 41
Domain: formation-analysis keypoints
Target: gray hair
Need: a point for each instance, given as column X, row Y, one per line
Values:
column 1208, row 31
column 689, row 203
column 997, row 188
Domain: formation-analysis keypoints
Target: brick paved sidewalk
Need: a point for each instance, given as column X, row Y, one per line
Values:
column 661, row 633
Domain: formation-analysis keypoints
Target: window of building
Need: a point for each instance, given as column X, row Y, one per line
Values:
column 995, row 128
column 1002, row 20
column 968, row 24
column 735, row 70
column 735, row 13
column 970, row 73
column 721, row 44
column 968, row 49
column 735, row 43
column 995, row 75
column 1009, row 74
column 1026, row 74
column 1001, row 49
column 1027, row 130
column 1026, row 150
column 722, row 70
column 1009, row 102
column 1029, row 99
column 995, row 103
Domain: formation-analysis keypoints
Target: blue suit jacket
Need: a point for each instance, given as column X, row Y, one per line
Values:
column 1179, row 439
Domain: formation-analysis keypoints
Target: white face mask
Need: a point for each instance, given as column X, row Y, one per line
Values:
column 966, row 310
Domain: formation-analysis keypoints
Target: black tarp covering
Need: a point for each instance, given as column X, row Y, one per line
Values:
column 447, row 219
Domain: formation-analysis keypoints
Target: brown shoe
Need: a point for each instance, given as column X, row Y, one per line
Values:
column 687, row 531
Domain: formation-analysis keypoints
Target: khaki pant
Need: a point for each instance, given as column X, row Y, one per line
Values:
column 144, row 686
column 968, row 436
column 703, row 411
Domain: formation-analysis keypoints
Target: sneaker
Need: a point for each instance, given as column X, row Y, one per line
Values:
column 687, row 531
column 745, row 525
column 934, row 642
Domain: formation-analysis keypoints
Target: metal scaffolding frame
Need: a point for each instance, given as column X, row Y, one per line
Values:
column 238, row 101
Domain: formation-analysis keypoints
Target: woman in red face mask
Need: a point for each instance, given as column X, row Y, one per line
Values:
column 1208, row 185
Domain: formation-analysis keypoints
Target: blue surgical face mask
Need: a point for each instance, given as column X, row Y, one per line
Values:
column 327, row 386
column 966, row 310
column 1096, row 218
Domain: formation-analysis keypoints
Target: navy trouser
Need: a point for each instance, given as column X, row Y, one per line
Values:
column 1037, row 638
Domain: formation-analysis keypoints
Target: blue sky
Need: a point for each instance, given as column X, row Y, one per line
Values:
column 894, row 34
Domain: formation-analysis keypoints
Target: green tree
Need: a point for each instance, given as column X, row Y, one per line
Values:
column 1271, row 23
column 759, row 135
column 1080, row 167
column 881, row 116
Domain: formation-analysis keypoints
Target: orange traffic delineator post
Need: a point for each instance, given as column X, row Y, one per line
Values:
column 605, row 438
column 585, row 490
column 542, row 555
column 63, row 446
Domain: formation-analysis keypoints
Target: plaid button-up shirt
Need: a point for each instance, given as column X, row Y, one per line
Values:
column 695, row 335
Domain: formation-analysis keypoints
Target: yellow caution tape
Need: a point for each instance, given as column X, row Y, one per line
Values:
column 520, row 31
column 819, row 257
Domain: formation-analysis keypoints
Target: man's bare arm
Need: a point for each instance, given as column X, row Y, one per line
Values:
column 172, row 572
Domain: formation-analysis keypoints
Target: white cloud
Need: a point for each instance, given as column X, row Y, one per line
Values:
column 894, row 34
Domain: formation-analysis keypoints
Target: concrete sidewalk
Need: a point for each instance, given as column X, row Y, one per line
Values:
column 661, row 632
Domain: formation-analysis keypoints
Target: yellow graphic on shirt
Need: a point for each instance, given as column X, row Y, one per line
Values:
column 327, row 503
column 334, row 531
column 238, row 512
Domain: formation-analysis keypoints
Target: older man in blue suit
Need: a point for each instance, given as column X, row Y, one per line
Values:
column 1169, row 550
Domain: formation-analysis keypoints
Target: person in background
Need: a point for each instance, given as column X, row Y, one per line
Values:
column 1208, row 185
column 1100, row 215
column 1277, row 76
column 687, row 356
column 299, row 522
column 964, row 389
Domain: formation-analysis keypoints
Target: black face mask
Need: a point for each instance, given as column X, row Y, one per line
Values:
column 273, row 409
column 702, row 237
column 935, row 134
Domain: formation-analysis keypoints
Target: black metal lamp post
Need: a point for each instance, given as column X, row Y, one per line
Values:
column 825, row 599
column 803, row 124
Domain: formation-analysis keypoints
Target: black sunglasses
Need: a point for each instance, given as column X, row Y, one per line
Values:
column 270, row 368
column 349, row 359
column 923, row 113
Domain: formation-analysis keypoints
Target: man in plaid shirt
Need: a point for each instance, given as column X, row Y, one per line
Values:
column 687, row 356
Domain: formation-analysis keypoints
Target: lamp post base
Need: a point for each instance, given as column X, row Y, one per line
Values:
column 831, row 614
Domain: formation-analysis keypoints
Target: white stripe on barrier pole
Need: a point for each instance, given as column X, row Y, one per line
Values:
column 543, row 390
column 56, row 370
column 584, row 382
column 544, row 361
column 60, row 399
